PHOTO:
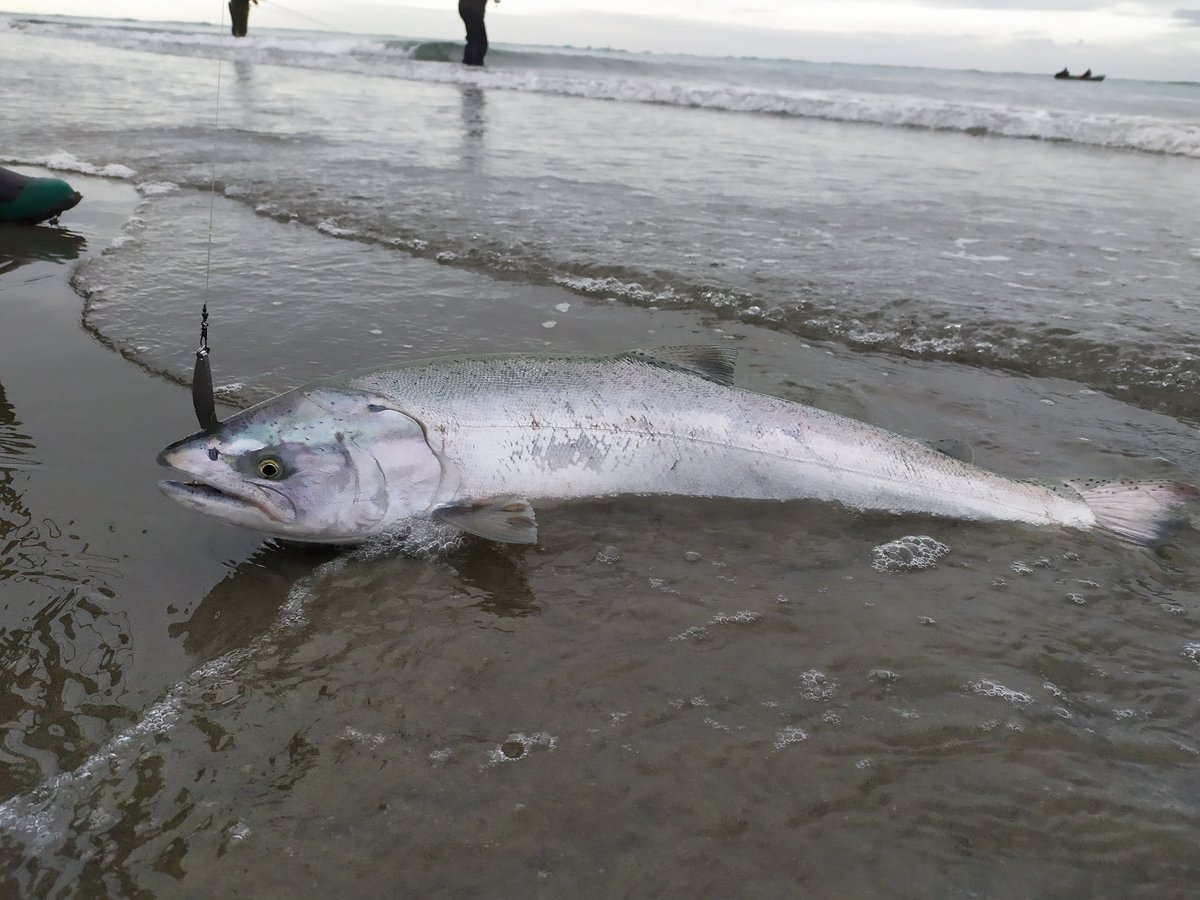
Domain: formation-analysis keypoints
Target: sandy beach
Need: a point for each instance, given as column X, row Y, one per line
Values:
column 664, row 696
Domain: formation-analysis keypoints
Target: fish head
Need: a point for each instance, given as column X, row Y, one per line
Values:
column 315, row 464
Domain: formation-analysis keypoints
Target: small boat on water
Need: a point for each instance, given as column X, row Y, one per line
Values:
column 1065, row 75
column 27, row 200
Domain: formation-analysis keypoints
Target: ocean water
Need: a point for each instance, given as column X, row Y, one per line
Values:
column 665, row 696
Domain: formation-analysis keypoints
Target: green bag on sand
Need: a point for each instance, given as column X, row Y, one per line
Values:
column 27, row 200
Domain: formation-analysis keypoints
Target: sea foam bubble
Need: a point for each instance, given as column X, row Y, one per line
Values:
column 908, row 554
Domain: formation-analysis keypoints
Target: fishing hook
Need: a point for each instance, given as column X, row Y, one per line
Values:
column 203, row 397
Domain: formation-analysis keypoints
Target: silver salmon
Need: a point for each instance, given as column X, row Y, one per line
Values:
column 476, row 442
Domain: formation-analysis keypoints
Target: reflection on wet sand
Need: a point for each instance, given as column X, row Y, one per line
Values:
column 253, row 627
column 21, row 244
column 112, row 821
column 495, row 576
column 61, row 646
column 247, row 601
column 474, row 121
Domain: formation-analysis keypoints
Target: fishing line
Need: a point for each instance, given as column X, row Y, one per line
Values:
column 325, row 25
column 212, row 183
column 203, row 397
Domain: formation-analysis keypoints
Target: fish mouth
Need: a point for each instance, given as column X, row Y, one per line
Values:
column 209, row 498
column 218, row 494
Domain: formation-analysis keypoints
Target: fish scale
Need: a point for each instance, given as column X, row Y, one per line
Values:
column 643, row 428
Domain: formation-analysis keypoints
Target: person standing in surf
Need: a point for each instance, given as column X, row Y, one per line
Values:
column 239, row 15
column 471, row 12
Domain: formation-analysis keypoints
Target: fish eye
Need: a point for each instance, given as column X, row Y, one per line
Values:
column 270, row 468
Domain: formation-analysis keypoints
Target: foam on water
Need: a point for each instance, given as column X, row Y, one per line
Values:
column 156, row 188
column 695, row 632
column 790, row 735
column 332, row 228
column 908, row 554
column 741, row 617
column 371, row 741
column 611, row 286
column 62, row 161
column 420, row 538
column 1191, row 650
column 989, row 688
column 816, row 685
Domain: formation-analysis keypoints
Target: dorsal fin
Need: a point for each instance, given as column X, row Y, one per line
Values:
column 710, row 363
column 953, row 448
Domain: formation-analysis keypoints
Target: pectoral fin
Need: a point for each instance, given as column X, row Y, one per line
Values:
column 509, row 520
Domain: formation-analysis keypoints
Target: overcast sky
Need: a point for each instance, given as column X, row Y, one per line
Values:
column 1146, row 38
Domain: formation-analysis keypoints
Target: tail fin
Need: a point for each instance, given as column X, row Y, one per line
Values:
column 1147, row 513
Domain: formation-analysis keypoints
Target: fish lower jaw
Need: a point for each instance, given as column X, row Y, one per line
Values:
column 214, row 501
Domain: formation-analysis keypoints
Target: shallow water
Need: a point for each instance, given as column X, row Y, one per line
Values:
column 665, row 696
column 881, row 212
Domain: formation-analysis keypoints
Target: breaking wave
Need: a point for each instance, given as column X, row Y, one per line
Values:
column 780, row 87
